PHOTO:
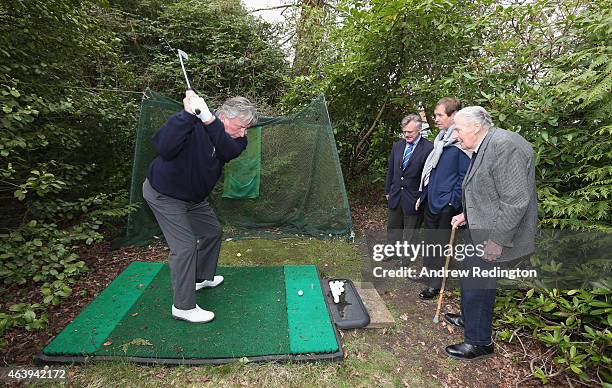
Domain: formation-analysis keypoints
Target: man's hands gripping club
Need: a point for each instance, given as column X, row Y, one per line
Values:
column 197, row 106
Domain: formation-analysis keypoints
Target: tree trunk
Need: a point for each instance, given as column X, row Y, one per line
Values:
column 309, row 36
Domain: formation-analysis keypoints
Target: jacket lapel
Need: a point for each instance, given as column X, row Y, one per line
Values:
column 400, row 154
column 478, row 161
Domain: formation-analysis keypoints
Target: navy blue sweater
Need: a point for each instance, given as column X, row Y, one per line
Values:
column 191, row 156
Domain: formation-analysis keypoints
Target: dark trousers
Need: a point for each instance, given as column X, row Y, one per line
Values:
column 437, row 230
column 477, row 301
column 402, row 227
column 193, row 234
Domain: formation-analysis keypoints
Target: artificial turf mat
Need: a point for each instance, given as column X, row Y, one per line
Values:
column 250, row 319
column 309, row 322
column 88, row 331
column 257, row 314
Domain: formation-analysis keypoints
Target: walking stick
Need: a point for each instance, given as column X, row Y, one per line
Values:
column 436, row 318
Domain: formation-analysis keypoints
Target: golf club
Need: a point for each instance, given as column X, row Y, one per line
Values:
column 436, row 318
column 183, row 55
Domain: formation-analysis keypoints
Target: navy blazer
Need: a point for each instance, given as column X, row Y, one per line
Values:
column 401, row 185
column 444, row 187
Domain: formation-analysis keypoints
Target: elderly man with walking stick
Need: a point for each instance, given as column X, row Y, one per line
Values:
column 500, row 211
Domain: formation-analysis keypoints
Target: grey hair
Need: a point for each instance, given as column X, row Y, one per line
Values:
column 411, row 118
column 476, row 114
column 240, row 108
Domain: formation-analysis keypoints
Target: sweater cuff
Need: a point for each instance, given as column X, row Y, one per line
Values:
column 189, row 117
column 242, row 141
column 215, row 126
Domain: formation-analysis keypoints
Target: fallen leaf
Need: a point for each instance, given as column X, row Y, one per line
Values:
column 135, row 342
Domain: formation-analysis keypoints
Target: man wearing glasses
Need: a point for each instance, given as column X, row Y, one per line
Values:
column 405, row 166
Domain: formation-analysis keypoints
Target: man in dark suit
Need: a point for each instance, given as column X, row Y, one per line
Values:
column 440, row 188
column 500, row 210
column 403, row 178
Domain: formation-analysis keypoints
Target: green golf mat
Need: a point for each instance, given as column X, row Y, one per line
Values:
column 258, row 315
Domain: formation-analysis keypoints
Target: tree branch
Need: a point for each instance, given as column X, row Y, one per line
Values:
column 371, row 129
column 273, row 8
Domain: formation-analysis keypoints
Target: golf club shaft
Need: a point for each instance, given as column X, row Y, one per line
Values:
column 448, row 257
column 196, row 111
column 184, row 72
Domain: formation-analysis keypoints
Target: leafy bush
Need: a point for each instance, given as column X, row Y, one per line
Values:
column 42, row 252
column 542, row 68
column 70, row 82
column 575, row 324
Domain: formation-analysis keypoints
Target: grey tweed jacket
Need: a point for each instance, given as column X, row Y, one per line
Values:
column 499, row 194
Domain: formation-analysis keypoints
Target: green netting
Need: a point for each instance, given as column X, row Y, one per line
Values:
column 301, row 189
column 243, row 175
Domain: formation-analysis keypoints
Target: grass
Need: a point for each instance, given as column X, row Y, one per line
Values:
column 333, row 258
column 367, row 364
column 375, row 370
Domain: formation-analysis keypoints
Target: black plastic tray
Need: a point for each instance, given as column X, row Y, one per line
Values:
column 349, row 313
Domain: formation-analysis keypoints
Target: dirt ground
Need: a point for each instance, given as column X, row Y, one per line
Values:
column 415, row 339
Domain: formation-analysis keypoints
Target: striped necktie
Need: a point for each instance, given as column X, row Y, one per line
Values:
column 407, row 154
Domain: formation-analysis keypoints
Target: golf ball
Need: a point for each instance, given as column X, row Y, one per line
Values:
column 300, row 292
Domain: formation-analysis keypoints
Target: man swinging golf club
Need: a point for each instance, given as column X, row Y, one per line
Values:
column 191, row 152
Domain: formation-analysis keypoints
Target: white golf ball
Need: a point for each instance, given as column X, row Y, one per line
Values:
column 300, row 292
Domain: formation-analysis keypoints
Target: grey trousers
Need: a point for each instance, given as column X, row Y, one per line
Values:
column 193, row 234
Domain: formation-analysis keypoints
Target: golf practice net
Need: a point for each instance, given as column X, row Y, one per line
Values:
column 288, row 180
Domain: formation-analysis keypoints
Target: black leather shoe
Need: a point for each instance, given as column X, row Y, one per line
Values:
column 429, row 293
column 469, row 352
column 454, row 319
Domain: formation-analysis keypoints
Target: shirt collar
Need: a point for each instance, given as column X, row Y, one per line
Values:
column 480, row 142
column 414, row 143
